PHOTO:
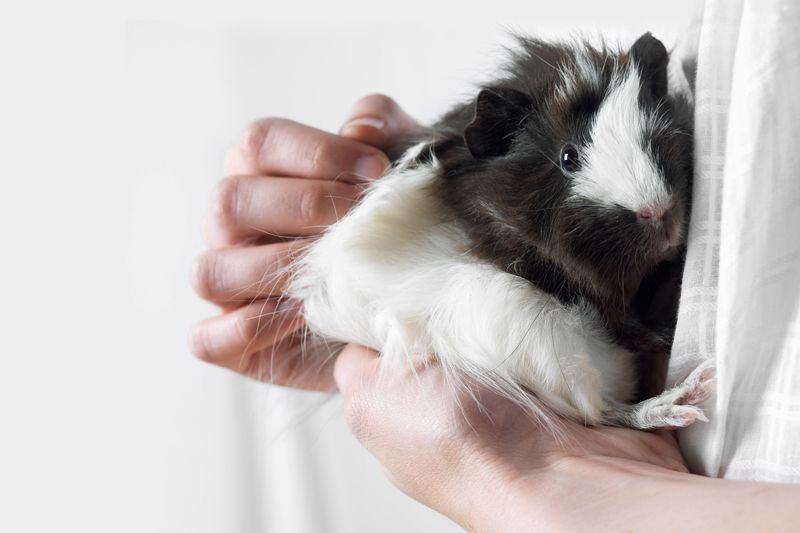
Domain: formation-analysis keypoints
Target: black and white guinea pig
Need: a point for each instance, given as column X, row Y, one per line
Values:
column 531, row 239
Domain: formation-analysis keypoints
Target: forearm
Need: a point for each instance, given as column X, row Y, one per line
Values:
column 609, row 494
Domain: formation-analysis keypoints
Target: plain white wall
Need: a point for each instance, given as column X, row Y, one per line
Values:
column 114, row 123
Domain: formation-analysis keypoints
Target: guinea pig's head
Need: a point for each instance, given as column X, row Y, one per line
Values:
column 579, row 154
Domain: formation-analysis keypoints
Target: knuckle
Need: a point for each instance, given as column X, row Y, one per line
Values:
column 257, row 134
column 224, row 201
column 199, row 346
column 311, row 204
column 205, row 276
column 320, row 156
column 245, row 329
column 231, row 161
column 254, row 135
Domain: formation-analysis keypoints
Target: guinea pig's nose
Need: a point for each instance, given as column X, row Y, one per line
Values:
column 655, row 213
column 662, row 220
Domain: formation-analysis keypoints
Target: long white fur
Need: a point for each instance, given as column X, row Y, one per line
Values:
column 395, row 275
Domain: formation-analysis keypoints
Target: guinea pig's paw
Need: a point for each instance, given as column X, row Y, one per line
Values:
column 662, row 412
column 681, row 416
column 679, row 407
column 693, row 390
column 699, row 385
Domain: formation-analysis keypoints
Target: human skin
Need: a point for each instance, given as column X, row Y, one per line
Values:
column 483, row 462
column 283, row 182
column 475, row 457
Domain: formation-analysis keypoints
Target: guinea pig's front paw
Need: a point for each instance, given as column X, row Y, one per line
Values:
column 699, row 385
column 674, row 408
column 662, row 413
column 678, row 416
column 679, row 407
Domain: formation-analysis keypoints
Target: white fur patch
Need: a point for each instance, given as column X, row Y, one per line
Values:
column 395, row 275
column 616, row 168
column 580, row 72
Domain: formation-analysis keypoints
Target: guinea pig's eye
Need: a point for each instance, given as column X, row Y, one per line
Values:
column 569, row 159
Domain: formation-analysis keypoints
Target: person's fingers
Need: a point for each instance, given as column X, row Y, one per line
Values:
column 240, row 275
column 294, row 363
column 280, row 147
column 355, row 367
column 243, row 207
column 377, row 120
column 229, row 339
column 289, row 363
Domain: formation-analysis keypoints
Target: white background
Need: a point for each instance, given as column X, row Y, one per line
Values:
column 113, row 123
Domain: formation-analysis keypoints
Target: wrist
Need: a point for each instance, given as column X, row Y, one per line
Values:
column 609, row 494
column 568, row 493
column 498, row 495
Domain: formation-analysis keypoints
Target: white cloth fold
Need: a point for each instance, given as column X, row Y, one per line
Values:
column 740, row 304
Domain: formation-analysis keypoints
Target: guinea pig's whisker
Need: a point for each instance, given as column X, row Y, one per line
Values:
column 315, row 227
column 555, row 358
column 525, row 335
column 361, row 177
column 333, row 205
column 263, row 315
column 259, row 328
column 276, row 235
column 260, row 284
column 548, row 158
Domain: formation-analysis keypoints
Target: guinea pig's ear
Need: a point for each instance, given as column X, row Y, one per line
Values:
column 498, row 115
column 651, row 58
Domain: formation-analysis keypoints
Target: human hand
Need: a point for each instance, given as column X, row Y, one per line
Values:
column 479, row 458
column 285, row 182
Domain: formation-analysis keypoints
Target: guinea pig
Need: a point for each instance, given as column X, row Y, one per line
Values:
column 532, row 239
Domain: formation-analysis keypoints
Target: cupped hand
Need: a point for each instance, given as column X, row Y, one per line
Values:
column 479, row 458
column 284, row 184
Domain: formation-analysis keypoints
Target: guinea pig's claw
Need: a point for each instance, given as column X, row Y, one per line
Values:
column 682, row 416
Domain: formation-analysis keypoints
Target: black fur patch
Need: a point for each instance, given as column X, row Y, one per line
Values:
column 499, row 113
column 505, row 185
column 651, row 59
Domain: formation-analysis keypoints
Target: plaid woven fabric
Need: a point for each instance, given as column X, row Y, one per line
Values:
column 740, row 304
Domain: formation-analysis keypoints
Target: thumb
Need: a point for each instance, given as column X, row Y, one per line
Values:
column 377, row 120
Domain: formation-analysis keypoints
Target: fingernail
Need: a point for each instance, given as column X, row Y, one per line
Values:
column 370, row 167
column 372, row 122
